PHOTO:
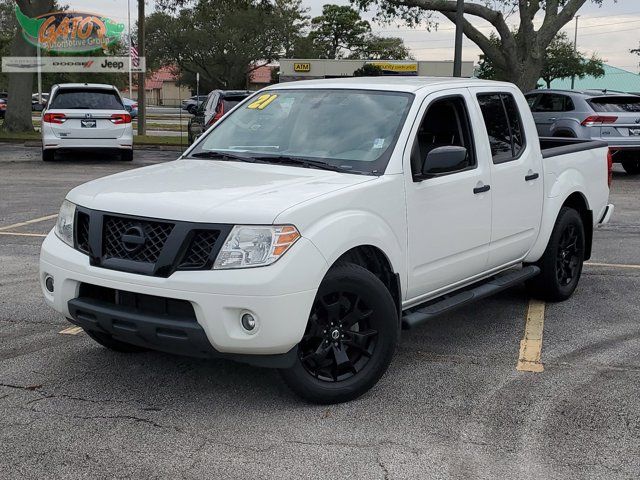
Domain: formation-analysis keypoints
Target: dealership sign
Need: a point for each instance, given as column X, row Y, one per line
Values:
column 69, row 32
column 70, row 64
column 397, row 67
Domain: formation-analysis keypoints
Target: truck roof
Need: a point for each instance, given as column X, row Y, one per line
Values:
column 392, row 83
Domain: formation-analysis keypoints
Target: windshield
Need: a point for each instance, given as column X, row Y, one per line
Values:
column 351, row 129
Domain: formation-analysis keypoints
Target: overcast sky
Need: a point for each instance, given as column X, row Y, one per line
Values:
column 609, row 31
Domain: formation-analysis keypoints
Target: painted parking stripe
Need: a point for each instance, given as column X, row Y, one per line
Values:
column 20, row 234
column 613, row 265
column 71, row 331
column 529, row 359
column 28, row 222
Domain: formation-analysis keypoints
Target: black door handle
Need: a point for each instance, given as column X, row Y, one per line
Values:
column 533, row 176
column 484, row 188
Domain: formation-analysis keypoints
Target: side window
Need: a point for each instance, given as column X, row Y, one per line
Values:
column 504, row 125
column 515, row 124
column 531, row 100
column 553, row 102
column 444, row 143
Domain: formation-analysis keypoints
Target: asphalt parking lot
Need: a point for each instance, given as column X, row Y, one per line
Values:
column 452, row 405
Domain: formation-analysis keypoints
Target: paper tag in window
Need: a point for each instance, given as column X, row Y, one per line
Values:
column 378, row 143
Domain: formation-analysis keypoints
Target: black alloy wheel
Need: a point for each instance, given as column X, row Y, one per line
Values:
column 561, row 262
column 568, row 256
column 339, row 340
column 349, row 340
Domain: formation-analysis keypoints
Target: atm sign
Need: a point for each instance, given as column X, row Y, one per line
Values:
column 301, row 67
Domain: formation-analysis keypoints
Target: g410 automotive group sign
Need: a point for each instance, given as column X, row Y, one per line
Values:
column 69, row 32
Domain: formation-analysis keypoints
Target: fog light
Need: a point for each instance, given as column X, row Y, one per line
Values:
column 48, row 283
column 248, row 322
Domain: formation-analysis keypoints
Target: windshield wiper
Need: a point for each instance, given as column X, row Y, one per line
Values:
column 222, row 156
column 304, row 162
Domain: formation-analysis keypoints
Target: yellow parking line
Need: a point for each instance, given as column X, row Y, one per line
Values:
column 531, row 344
column 71, row 331
column 28, row 222
column 613, row 265
column 19, row 234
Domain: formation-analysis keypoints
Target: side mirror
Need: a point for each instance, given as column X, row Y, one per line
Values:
column 447, row 159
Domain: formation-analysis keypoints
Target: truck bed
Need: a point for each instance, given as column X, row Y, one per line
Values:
column 554, row 146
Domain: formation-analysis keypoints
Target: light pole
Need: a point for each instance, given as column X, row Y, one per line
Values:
column 457, row 55
column 575, row 49
column 141, row 52
column 130, row 73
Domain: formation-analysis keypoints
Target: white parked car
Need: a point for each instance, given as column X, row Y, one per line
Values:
column 87, row 116
column 316, row 218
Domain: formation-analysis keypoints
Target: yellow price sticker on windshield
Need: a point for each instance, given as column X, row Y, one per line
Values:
column 262, row 102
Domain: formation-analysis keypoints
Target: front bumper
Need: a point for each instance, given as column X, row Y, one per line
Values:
column 279, row 296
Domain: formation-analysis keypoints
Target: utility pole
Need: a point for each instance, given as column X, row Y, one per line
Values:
column 129, row 28
column 575, row 49
column 142, row 107
column 457, row 55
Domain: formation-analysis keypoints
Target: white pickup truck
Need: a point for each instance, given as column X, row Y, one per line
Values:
column 318, row 217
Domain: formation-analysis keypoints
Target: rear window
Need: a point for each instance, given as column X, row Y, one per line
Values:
column 85, row 98
column 231, row 102
column 615, row 104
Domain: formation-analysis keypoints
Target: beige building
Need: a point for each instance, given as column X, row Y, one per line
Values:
column 305, row 69
column 161, row 88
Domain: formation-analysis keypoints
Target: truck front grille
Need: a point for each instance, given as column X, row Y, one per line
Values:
column 155, row 234
column 147, row 246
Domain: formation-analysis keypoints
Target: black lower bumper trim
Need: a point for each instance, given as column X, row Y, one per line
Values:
column 163, row 333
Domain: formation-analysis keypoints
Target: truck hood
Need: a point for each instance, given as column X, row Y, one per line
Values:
column 210, row 191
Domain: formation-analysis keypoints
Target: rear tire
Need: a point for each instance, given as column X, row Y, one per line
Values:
column 561, row 263
column 48, row 155
column 126, row 155
column 350, row 338
column 111, row 343
column 632, row 167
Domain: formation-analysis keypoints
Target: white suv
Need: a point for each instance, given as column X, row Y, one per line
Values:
column 86, row 116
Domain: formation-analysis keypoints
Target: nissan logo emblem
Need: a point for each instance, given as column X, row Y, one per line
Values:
column 133, row 239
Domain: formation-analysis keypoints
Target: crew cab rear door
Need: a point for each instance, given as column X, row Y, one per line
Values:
column 516, row 173
column 87, row 113
column 448, row 210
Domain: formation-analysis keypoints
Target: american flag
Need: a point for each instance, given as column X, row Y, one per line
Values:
column 135, row 62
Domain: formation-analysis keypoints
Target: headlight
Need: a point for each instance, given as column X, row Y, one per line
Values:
column 255, row 246
column 64, row 225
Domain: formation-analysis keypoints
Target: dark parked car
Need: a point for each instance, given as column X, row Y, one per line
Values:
column 3, row 107
column 218, row 102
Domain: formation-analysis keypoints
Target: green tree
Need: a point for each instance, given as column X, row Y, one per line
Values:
column 223, row 40
column 368, row 70
column 519, row 55
column 382, row 48
column 561, row 60
column 20, row 85
column 339, row 31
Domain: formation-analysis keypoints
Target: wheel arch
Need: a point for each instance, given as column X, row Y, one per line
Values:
column 376, row 261
column 573, row 198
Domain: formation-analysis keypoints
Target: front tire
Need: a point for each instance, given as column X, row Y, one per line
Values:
column 111, row 343
column 350, row 338
column 561, row 263
column 632, row 167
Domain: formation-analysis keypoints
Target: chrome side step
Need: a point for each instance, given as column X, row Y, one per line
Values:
column 482, row 290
